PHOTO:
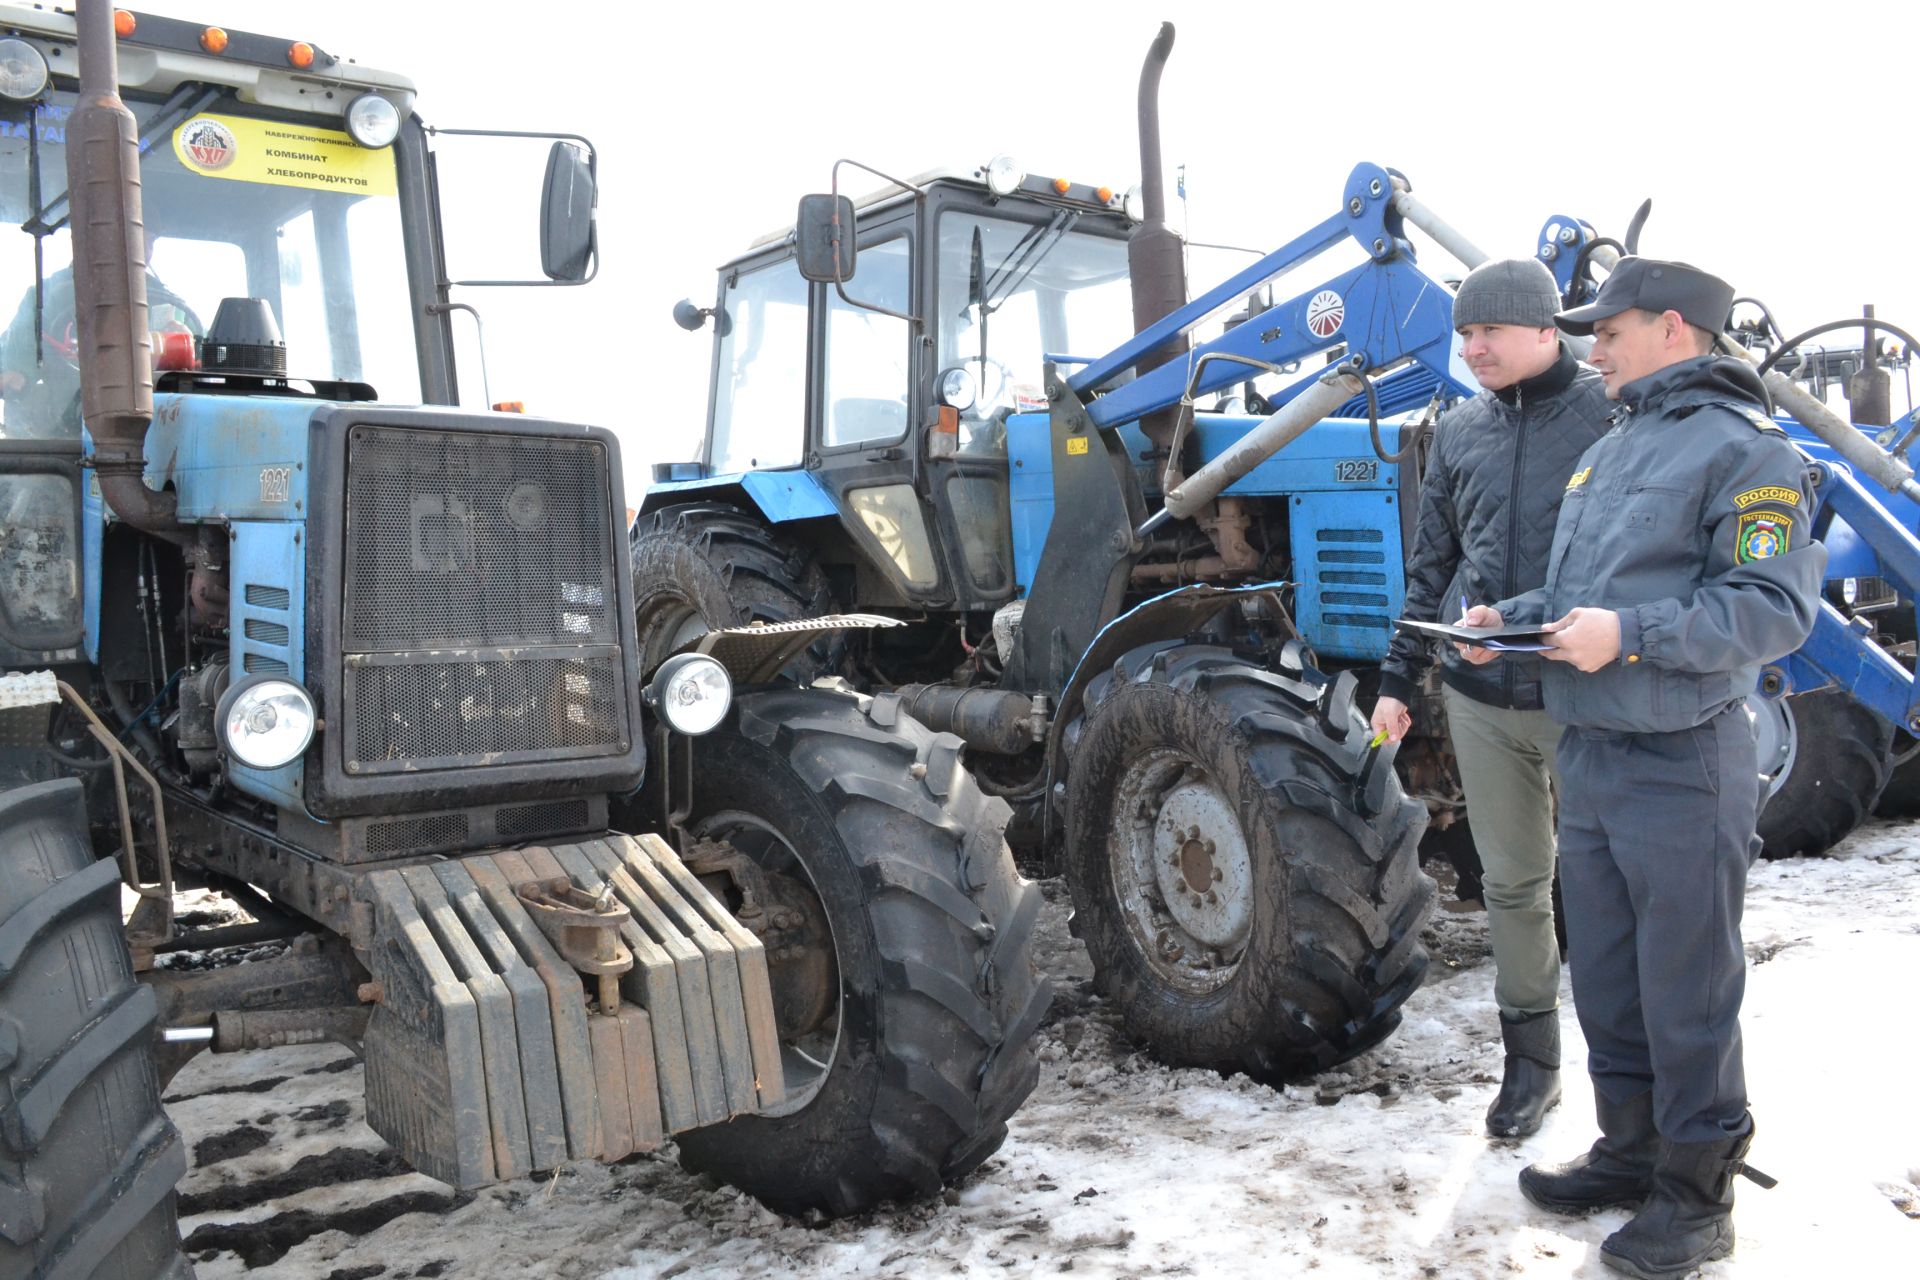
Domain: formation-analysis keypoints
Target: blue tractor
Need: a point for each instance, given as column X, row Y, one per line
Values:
column 367, row 667
column 1146, row 581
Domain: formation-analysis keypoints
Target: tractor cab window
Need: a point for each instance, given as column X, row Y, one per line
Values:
column 760, row 383
column 236, row 204
column 1010, row 294
column 867, row 350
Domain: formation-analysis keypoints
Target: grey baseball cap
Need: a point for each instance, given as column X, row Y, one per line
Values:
column 1652, row 285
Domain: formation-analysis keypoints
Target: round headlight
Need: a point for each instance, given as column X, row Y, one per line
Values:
column 957, row 389
column 373, row 121
column 1850, row 590
column 265, row 721
column 691, row 692
column 23, row 71
column 1135, row 203
column 1004, row 176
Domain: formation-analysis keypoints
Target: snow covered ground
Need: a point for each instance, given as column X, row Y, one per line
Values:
column 1121, row 1167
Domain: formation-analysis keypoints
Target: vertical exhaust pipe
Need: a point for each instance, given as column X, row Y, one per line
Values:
column 1154, row 258
column 110, row 277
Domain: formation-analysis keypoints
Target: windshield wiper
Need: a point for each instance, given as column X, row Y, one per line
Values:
column 1024, row 257
column 187, row 100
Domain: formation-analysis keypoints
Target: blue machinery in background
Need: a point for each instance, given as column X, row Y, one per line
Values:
column 1391, row 316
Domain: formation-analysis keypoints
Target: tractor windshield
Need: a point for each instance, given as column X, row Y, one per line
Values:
column 1012, row 293
column 237, row 204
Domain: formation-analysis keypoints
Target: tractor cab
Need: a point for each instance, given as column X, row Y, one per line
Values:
column 963, row 285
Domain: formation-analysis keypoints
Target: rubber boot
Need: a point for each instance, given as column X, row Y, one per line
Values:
column 1689, row 1218
column 1616, row 1171
column 1530, row 1082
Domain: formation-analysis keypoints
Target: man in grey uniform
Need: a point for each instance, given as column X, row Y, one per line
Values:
column 1488, row 500
column 1681, row 564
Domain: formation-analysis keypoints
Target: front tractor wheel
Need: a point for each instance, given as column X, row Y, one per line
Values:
column 1824, row 759
column 1244, row 871
column 700, row 567
column 900, row 945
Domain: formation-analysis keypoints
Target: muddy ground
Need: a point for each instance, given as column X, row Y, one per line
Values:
column 1121, row 1167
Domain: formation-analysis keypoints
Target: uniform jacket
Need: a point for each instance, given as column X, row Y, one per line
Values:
column 1492, row 488
column 1690, row 518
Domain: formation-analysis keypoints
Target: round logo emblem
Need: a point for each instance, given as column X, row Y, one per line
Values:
column 527, row 506
column 1326, row 312
column 208, row 143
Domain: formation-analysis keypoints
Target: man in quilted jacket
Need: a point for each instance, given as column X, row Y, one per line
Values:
column 1491, row 493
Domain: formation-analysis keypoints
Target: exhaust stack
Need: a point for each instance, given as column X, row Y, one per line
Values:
column 1154, row 257
column 110, row 277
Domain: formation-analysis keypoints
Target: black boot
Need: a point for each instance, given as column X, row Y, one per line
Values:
column 1618, row 1170
column 1689, row 1218
column 1530, row 1083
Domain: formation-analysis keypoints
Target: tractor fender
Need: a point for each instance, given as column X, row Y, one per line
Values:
column 1170, row 615
column 777, row 496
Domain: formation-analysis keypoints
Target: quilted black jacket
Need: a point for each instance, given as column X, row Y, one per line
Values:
column 1495, row 476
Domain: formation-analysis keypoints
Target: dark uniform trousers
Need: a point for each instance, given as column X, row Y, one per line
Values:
column 1655, row 834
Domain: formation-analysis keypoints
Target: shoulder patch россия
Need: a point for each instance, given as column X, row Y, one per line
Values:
column 1767, row 493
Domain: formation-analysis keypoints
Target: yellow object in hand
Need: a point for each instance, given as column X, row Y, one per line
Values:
column 1378, row 738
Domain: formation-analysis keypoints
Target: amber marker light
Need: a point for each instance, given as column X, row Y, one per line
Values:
column 1062, row 185
column 123, row 23
column 1104, row 195
column 300, row 54
column 213, row 40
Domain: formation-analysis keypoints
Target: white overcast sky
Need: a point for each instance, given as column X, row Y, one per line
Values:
column 1773, row 139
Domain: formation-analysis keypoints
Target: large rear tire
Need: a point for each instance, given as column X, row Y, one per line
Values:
column 701, row 567
column 1244, row 870
column 1830, row 757
column 88, row 1161
column 904, row 1082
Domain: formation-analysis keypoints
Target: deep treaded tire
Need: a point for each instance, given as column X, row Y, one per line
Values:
column 933, row 935
column 1841, row 757
column 704, row 566
column 88, row 1161
column 1244, row 871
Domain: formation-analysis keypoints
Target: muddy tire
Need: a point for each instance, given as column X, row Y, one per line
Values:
column 698, row 568
column 1837, row 755
column 1245, row 873
column 907, row 1082
column 88, row 1161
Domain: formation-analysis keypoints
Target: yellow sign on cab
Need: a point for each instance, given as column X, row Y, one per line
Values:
column 281, row 154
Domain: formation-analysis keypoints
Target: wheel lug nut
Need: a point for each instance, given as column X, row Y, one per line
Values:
column 1217, row 877
column 1197, row 900
column 1212, row 897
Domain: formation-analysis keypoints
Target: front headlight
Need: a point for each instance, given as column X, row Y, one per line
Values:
column 265, row 721
column 691, row 693
column 1004, row 175
column 23, row 72
column 373, row 121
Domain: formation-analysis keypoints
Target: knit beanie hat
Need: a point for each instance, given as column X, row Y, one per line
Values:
column 1516, row 291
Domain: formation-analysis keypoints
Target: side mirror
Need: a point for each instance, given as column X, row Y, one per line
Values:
column 824, row 239
column 567, row 248
column 689, row 317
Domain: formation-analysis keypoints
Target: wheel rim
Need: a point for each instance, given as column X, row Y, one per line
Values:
column 668, row 625
column 1181, row 870
column 1775, row 740
column 806, row 1059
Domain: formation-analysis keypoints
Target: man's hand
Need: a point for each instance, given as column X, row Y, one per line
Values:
column 1391, row 717
column 1588, row 638
column 1481, row 615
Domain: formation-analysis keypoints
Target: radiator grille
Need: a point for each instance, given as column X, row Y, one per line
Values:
column 464, row 539
column 542, row 819
column 411, row 835
column 427, row 714
column 480, row 616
